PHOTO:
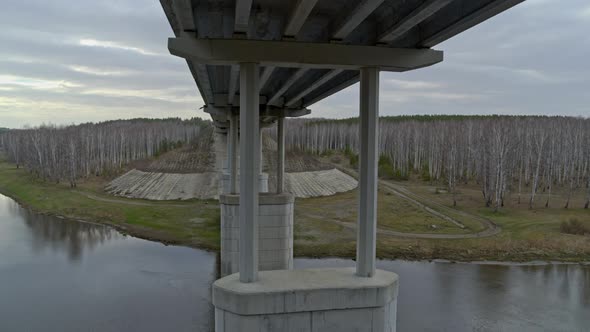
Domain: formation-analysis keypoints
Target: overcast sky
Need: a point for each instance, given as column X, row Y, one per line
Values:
column 64, row 61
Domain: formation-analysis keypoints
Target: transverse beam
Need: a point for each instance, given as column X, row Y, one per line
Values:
column 301, row 54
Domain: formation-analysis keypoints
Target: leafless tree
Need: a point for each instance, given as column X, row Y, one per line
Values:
column 70, row 152
column 496, row 152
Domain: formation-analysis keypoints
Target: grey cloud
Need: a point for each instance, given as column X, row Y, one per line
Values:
column 529, row 60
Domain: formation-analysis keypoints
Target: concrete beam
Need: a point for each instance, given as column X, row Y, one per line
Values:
column 356, row 17
column 323, row 80
column 284, row 112
column 222, row 99
column 491, row 9
column 331, row 91
column 249, row 171
column 224, row 112
column 265, row 75
column 279, row 93
column 302, row 54
column 298, row 16
column 201, row 77
column 242, row 15
column 368, row 158
column 183, row 10
column 424, row 11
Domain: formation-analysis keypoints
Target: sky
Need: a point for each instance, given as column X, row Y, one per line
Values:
column 64, row 62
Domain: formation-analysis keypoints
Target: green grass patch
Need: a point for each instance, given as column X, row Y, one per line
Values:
column 526, row 234
column 190, row 223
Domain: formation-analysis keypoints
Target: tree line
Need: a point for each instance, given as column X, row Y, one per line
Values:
column 56, row 153
column 502, row 154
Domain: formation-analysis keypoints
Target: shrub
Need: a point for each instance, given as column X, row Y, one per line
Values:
column 326, row 153
column 425, row 177
column 336, row 159
column 352, row 157
column 354, row 160
column 348, row 152
column 387, row 171
column 574, row 226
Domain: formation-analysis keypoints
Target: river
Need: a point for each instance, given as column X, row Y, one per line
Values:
column 63, row 275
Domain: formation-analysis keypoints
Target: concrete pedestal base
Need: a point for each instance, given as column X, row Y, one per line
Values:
column 328, row 299
column 275, row 226
column 226, row 183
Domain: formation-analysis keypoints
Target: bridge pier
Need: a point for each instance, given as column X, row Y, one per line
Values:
column 279, row 298
column 275, row 234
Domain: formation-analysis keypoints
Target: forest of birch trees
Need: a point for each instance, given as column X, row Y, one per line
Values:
column 56, row 153
column 518, row 155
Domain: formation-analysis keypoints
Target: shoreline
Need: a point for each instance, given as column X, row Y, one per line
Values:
column 195, row 224
column 128, row 230
column 123, row 231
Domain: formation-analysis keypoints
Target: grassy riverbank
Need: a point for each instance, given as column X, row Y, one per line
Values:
column 323, row 226
column 193, row 223
column 526, row 235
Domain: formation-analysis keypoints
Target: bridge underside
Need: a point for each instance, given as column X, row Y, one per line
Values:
column 258, row 61
column 312, row 26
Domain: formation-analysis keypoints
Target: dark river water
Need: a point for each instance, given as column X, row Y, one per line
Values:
column 60, row 275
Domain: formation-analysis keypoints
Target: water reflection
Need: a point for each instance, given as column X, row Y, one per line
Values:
column 472, row 297
column 62, row 275
column 70, row 236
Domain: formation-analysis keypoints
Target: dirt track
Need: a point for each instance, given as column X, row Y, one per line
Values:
column 491, row 228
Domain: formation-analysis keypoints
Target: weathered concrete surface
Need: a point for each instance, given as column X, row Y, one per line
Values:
column 318, row 183
column 201, row 172
column 165, row 186
column 225, row 184
column 275, row 228
column 169, row 186
column 328, row 299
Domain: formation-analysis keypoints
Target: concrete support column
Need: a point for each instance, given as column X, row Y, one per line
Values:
column 233, row 154
column 260, row 149
column 224, row 144
column 281, row 155
column 227, row 161
column 249, row 171
column 367, row 216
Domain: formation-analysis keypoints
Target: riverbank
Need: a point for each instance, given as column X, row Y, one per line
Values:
column 190, row 223
column 195, row 223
